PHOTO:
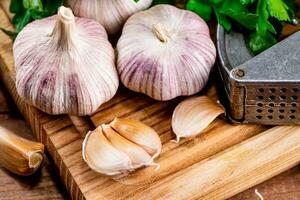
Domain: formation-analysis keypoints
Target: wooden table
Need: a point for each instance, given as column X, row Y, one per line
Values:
column 46, row 185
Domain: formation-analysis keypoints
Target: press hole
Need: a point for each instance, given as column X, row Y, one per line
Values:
column 294, row 97
column 281, row 110
column 281, row 117
column 293, row 111
column 294, row 104
column 295, row 89
column 271, row 97
column 270, row 117
column 260, row 97
column 258, row 116
column 282, row 105
column 259, row 110
column 283, row 90
column 282, row 97
column 260, row 104
column 272, row 90
column 261, row 90
column 271, row 104
column 292, row 117
column 270, row 111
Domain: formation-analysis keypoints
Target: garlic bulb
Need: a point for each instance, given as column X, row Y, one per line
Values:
column 19, row 155
column 108, row 151
column 111, row 14
column 165, row 52
column 193, row 115
column 65, row 65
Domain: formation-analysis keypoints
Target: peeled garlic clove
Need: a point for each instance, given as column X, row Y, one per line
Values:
column 171, row 56
column 65, row 65
column 111, row 14
column 193, row 115
column 138, row 133
column 102, row 156
column 19, row 155
column 138, row 156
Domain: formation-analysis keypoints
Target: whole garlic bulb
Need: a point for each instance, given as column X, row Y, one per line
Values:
column 121, row 147
column 65, row 65
column 110, row 13
column 165, row 52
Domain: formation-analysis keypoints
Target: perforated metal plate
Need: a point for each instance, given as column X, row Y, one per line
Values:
column 264, row 89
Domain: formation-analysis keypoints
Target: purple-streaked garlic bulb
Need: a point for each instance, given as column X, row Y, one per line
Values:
column 165, row 52
column 65, row 65
column 110, row 13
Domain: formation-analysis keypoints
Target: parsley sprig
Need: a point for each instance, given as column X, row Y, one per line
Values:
column 260, row 20
column 28, row 10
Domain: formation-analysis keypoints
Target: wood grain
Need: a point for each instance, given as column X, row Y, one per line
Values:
column 235, row 169
column 285, row 186
column 186, row 166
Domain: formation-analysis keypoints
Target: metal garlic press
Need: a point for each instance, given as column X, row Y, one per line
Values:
column 263, row 89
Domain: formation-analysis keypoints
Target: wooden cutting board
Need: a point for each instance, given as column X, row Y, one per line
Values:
column 225, row 160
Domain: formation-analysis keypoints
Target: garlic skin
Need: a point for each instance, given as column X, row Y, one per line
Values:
column 109, row 152
column 111, row 14
column 193, row 115
column 19, row 155
column 171, row 55
column 137, row 154
column 102, row 156
column 139, row 133
column 65, row 65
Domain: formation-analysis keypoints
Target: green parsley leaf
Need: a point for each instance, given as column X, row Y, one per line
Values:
column 278, row 9
column 260, row 42
column 258, row 18
column 239, row 13
column 28, row 10
column 222, row 19
column 204, row 10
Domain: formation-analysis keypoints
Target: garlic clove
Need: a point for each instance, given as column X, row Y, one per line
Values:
column 172, row 56
column 193, row 115
column 139, row 133
column 65, row 64
column 110, row 152
column 111, row 14
column 138, row 156
column 19, row 155
column 102, row 156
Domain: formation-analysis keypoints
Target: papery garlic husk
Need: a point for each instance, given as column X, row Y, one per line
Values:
column 110, row 13
column 193, row 115
column 139, row 133
column 137, row 154
column 19, row 155
column 165, row 52
column 102, row 156
column 65, row 65
column 108, row 151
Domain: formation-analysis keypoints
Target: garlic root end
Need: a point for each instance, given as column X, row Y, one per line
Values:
column 177, row 140
column 35, row 159
column 156, row 165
